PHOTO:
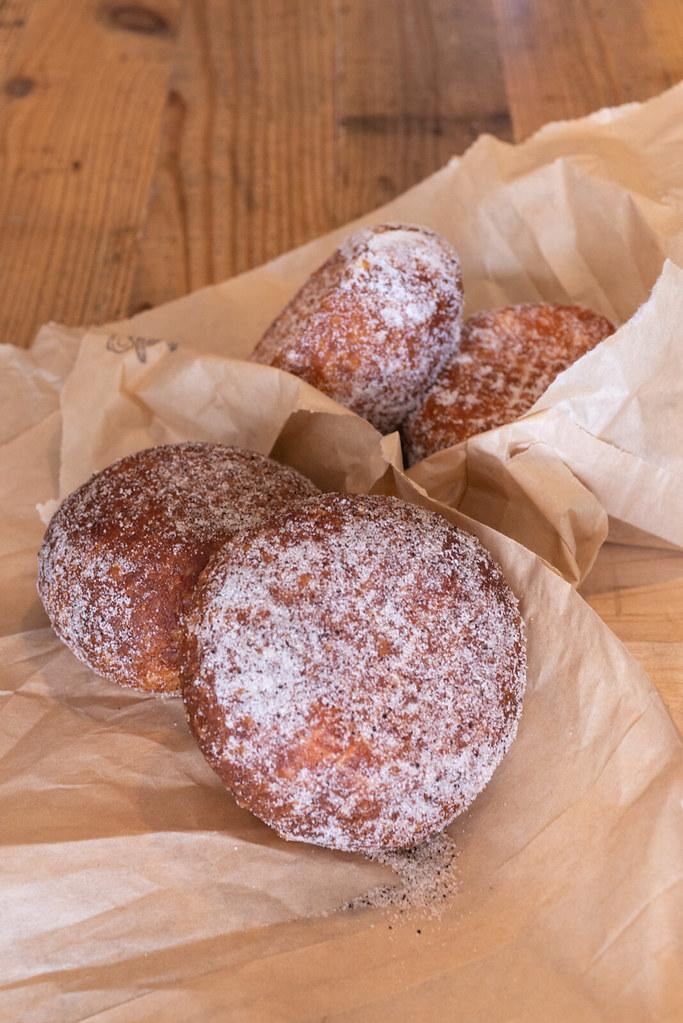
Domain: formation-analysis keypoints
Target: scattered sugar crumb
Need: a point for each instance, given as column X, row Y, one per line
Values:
column 427, row 876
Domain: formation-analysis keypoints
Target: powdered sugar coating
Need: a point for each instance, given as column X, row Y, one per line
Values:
column 122, row 554
column 507, row 359
column 354, row 672
column 375, row 323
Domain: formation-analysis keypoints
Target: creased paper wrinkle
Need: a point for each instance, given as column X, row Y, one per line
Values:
column 140, row 891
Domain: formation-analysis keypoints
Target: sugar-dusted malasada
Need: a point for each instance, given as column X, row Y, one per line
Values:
column 375, row 323
column 122, row 554
column 506, row 360
column 354, row 671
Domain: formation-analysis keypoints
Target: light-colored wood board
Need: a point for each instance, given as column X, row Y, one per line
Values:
column 638, row 593
column 78, row 146
column 416, row 84
column 14, row 15
column 315, row 113
column 246, row 160
column 565, row 58
column 664, row 664
column 664, row 26
column 285, row 118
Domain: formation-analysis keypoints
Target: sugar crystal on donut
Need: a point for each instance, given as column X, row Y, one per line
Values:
column 354, row 671
column 122, row 554
column 507, row 358
column 375, row 323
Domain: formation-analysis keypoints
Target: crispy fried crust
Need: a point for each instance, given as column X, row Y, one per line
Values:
column 122, row 554
column 375, row 323
column 507, row 359
column 354, row 672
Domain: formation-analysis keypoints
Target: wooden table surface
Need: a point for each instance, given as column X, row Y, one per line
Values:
column 149, row 148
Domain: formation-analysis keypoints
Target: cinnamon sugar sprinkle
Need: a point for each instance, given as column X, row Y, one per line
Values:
column 359, row 671
column 507, row 358
column 375, row 323
column 427, row 879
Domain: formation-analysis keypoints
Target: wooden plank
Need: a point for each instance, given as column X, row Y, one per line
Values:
column 14, row 15
column 638, row 593
column 286, row 118
column 246, row 166
column 80, row 114
column 417, row 82
column 664, row 25
column 565, row 59
column 664, row 664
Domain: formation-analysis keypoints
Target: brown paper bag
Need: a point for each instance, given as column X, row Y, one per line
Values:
column 135, row 890
column 606, row 437
column 583, row 212
column 139, row 891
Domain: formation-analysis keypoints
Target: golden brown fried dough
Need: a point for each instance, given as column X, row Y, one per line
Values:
column 122, row 554
column 355, row 671
column 507, row 359
column 375, row 323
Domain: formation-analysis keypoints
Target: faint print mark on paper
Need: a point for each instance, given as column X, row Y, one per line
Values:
column 120, row 344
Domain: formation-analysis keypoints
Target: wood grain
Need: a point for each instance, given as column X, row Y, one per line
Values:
column 638, row 593
column 246, row 155
column 151, row 148
column 315, row 112
column 80, row 114
column 416, row 83
column 565, row 58
column 13, row 18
